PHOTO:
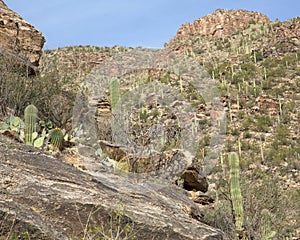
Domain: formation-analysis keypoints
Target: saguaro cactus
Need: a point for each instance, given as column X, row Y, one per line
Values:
column 235, row 192
column 114, row 92
column 30, row 115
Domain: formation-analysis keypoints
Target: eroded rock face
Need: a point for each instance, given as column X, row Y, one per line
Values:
column 46, row 198
column 19, row 37
column 220, row 24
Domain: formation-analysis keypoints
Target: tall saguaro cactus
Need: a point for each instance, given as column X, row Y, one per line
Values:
column 30, row 115
column 114, row 92
column 235, row 192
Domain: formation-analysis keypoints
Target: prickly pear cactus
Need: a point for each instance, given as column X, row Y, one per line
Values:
column 57, row 138
column 114, row 92
column 235, row 191
column 30, row 115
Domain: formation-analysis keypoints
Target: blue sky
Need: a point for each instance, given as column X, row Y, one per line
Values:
column 146, row 23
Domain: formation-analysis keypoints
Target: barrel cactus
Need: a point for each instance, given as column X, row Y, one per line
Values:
column 57, row 138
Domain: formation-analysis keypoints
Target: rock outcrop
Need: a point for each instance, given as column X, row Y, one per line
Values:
column 19, row 38
column 221, row 23
column 46, row 198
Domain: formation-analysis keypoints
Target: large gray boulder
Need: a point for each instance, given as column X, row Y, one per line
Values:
column 46, row 198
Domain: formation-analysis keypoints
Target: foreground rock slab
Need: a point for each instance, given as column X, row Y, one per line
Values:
column 46, row 198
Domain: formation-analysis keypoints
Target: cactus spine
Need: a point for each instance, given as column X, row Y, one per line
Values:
column 235, row 192
column 30, row 115
column 56, row 138
column 114, row 92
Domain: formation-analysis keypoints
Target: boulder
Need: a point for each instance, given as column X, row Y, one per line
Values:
column 43, row 197
column 19, row 38
column 194, row 179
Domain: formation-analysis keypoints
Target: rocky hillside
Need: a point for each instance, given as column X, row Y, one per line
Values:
column 257, row 68
column 255, row 64
column 19, row 36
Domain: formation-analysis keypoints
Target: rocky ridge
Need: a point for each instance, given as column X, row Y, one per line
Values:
column 221, row 23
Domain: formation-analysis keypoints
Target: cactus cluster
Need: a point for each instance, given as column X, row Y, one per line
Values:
column 30, row 135
column 38, row 134
column 235, row 192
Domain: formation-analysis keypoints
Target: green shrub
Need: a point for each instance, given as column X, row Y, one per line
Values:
column 263, row 123
column 247, row 123
column 46, row 91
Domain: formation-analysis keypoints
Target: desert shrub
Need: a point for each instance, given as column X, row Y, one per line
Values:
column 235, row 131
column 282, row 135
column 220, row 217
column 264, row 191
column 46, row 92
column 118, row 227
column 13, row 85
column 55, row 103
column 279, row 154
column 267, row 84
column 247, row 134
column 269, row 63
column 263, row 123
column 247, row 123
column 260, row 191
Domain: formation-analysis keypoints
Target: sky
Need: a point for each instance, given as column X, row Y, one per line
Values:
column 130, row 23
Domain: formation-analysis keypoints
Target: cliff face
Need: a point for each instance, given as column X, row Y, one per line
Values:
column 19, row 37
